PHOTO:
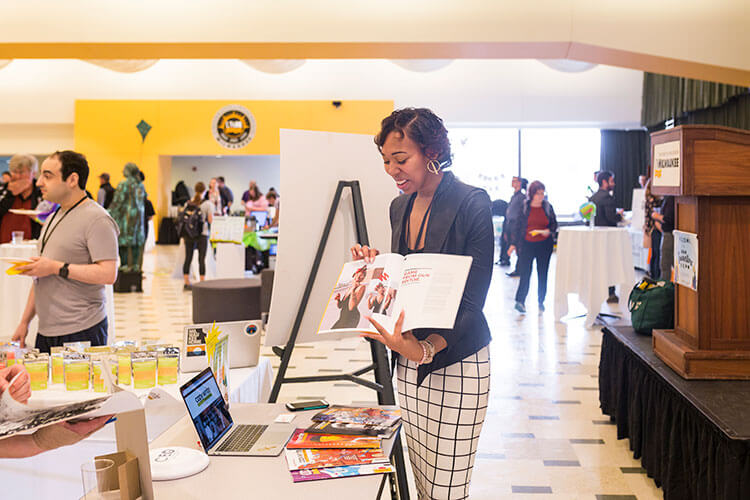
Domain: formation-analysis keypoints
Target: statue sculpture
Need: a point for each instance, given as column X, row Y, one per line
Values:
column 127, row 210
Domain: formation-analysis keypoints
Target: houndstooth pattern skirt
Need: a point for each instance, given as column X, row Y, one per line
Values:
column 442, row 420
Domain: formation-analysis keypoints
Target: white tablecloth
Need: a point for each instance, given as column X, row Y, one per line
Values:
column 588, row 261
column 15, row 293
column 57, row 474
column 194, row 269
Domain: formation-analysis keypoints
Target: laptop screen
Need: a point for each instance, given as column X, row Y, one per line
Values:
column 261, row 216
column 206, row 408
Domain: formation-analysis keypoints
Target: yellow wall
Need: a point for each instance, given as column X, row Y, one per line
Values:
column 105, row 131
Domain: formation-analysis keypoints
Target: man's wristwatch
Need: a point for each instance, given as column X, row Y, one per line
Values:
column 64, row 271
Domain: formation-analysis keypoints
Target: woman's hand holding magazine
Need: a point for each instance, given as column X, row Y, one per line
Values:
column 360, row 252
column 404, row 343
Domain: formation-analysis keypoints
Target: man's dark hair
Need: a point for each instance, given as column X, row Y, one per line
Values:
column 524, row 183
column 421, row 126
column 220, row 179
column 73, row 162
column 5, row 173
column 603, row 176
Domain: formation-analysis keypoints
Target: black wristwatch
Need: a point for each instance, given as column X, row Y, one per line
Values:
column 64, row 271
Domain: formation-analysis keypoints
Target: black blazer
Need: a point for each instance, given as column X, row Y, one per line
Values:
column 460, row 224
column 606, row 209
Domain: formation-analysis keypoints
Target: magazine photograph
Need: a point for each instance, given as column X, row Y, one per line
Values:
column 336, row 472
column 427, row 287
column 305, row 440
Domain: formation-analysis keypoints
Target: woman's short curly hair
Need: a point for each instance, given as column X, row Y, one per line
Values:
column 422, row 126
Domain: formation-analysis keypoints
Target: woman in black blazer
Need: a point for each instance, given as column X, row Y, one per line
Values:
column 446, row 371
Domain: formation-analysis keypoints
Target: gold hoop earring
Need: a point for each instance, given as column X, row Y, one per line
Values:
column 434, row 167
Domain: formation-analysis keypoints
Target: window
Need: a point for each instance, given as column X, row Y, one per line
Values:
column 486, row 158
column 565, row 160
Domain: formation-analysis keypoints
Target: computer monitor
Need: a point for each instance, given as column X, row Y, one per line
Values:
column 261, row 217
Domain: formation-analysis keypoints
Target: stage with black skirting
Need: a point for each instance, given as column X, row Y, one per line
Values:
column 692, row 436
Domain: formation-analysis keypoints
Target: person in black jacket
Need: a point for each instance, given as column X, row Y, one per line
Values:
column 519, row 185
column 607, row 213
column 106, row 191
column 534, row 233
column 443, row 373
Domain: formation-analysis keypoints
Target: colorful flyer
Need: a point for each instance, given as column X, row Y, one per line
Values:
column 686, row 259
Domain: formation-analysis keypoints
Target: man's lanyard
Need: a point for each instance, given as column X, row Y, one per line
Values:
column 50, row 230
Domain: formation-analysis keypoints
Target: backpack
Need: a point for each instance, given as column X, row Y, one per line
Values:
column 651, row 305
column 190, row 222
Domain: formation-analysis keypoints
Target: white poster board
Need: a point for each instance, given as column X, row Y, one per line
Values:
column 667, row 164
column 227, row 229
column 312, row 164
column 686, row 259
column 639, row 210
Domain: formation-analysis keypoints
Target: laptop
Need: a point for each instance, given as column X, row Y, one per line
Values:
column 218, row 433
column 244, row 344
column 261, row 218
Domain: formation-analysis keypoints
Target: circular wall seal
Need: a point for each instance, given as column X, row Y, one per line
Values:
column 233, row 126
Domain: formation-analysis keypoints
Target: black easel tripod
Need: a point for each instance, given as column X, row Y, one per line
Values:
column 382, row 385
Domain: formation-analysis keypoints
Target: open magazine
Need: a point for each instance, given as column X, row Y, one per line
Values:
column 428, row 287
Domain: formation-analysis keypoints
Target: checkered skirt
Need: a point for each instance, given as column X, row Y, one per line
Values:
column 442, row 420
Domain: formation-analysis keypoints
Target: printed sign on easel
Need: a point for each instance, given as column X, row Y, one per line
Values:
column 227, row 229
column 686, row 259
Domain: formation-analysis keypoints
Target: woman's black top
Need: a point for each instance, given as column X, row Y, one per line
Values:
column 460, row 223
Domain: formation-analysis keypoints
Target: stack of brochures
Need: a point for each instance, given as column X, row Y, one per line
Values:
column 343, row 441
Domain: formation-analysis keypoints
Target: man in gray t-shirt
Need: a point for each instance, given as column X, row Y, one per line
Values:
column 78, row 256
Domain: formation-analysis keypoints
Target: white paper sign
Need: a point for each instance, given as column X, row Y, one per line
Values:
column 228, row 229
column 686, row 259
column 667, row 164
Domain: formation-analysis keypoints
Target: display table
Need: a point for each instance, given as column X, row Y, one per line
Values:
column 588, row 261
column 15, row 293
column 194, row 267
column 57, row 474
column 257, row 477
column 692, row 436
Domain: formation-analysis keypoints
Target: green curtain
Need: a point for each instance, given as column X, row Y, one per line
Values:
column 625, row 153
column 666, row 97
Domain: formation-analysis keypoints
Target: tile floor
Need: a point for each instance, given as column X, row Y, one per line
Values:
column 544, row 436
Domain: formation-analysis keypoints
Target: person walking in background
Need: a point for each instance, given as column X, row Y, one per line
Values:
column 443, row 375
column 106, row 191
column 512, row 214
column 665, row 221
column 21, row 192
column 607, row 213
column 194, row 221
column 533, row 233
column 227, row 197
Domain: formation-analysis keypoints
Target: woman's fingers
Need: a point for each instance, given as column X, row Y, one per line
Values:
column 378, row 326
column 372, row 336
column 399, row 323
column 357, row 252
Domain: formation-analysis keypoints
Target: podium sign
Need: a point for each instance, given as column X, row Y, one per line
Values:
column 707, row 169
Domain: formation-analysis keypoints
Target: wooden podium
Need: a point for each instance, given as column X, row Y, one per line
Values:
column 707, row 169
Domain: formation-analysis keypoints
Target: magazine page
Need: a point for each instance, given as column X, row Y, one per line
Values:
column 302, row 439
column 363, row 290
column 16, row 417
column 358, row 415
column 431, row 289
